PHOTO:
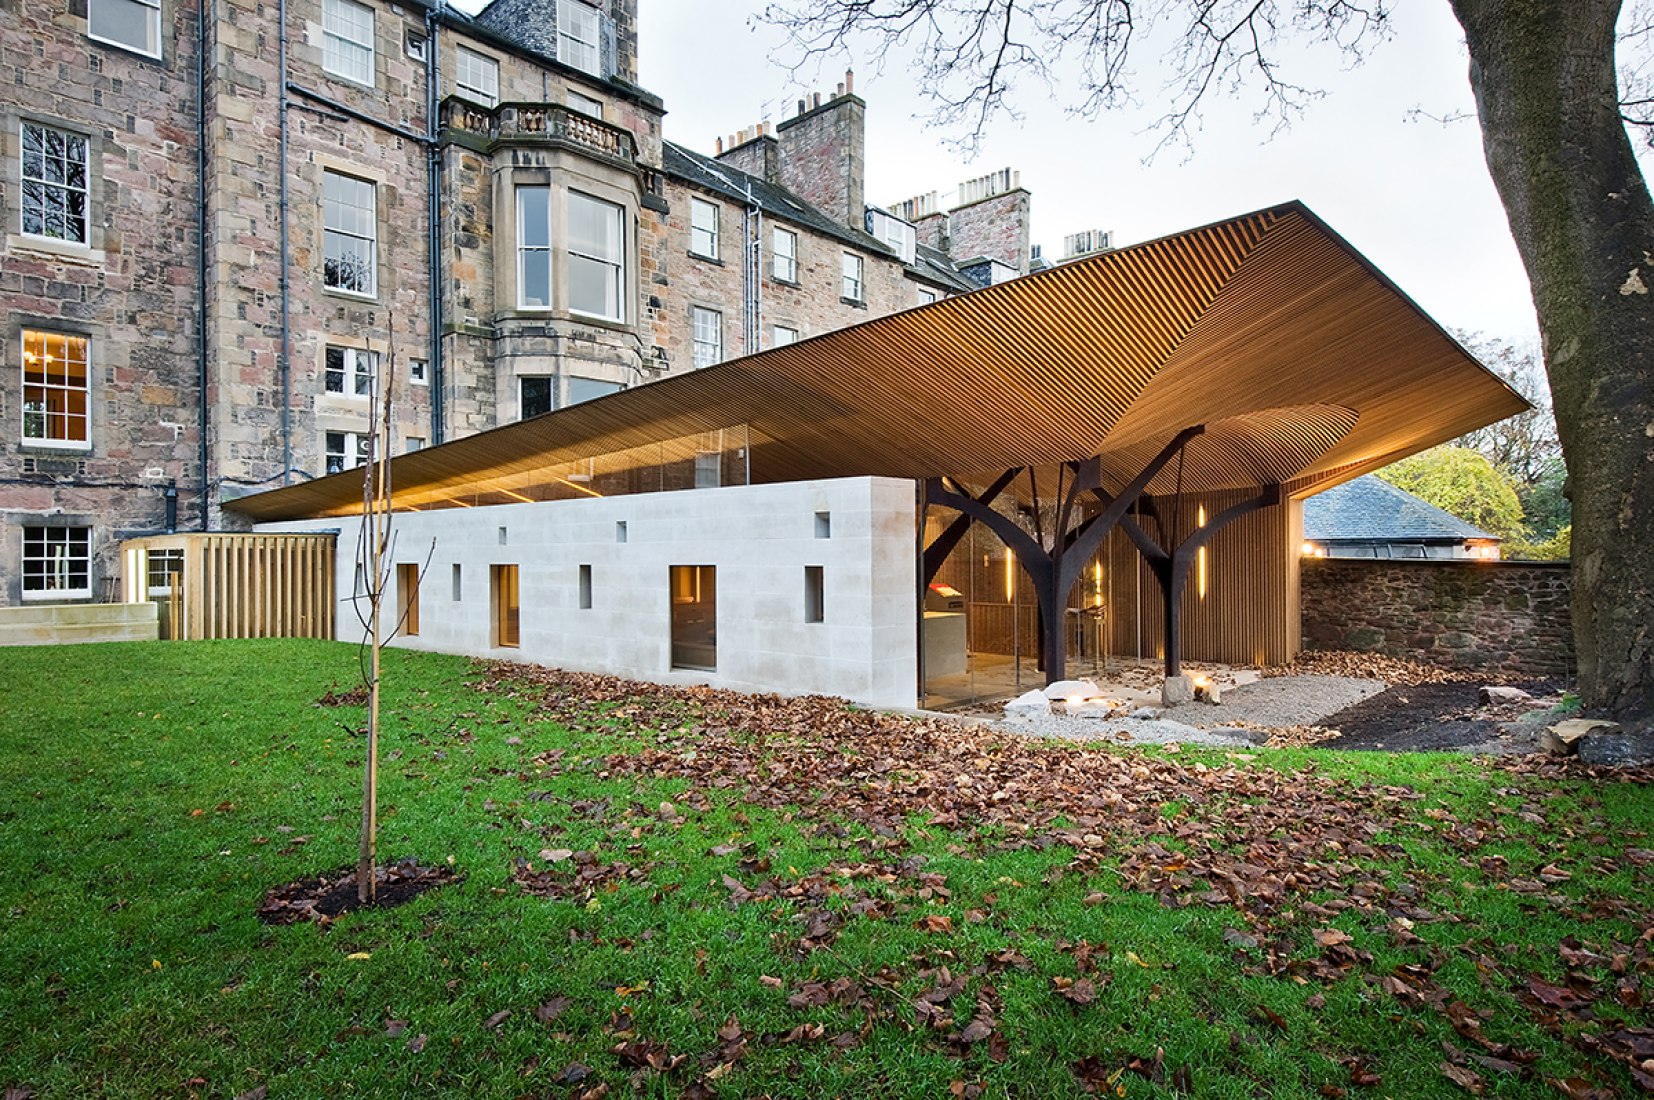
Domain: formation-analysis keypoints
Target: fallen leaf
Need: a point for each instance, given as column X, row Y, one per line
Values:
column 417, row 1043
column 497, row 1019
column 553, row 1008
column 358, row 956
column 1466, row 1079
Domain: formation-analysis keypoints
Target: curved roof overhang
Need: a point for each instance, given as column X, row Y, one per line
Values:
column 1306, row 365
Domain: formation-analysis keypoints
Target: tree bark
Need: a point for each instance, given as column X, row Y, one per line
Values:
column 1544, row 76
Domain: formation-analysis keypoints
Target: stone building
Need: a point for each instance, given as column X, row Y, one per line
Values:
column 226, row 232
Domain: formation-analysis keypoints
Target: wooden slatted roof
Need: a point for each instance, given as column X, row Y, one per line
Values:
column 1307, row 365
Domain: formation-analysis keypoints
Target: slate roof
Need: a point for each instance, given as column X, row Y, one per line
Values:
column 777, row 201
column 1370, row 509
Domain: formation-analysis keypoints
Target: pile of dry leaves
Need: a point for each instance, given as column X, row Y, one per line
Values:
column 1376, row 666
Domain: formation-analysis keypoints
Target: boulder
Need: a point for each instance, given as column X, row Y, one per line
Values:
column 1177, row 690
column 1251, row 737
column 1493, row 693
column 1072, row 689
column 1092, row 708
column 1030, row 704
column 1563, row 739
column 1621, row 750
column 1146, row 713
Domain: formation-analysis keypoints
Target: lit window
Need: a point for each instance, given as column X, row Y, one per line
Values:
column 476, row 76
column 347, row 40
column 534, row 395
column 852, row 277
column 350, row 227
column 578, row 31
column 585, row 104
column 349, row 371
column 709, row 336
column 784, row 336
column 134, row 24
column 56, row 394
column 785, row 246
column 534, row 247
column 926, row 297
column 703, row 228
column 346, row 451
column 57, row 562
column 597, row 269
column 419, row 372
column 54, row 184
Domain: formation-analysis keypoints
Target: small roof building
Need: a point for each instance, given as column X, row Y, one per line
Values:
column 1370, row 518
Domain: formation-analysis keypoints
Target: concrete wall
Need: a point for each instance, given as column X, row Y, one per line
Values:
column 1510, row 617
column 60, row 624
column 759, row 537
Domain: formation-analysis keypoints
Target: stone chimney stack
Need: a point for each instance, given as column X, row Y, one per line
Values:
column 991, row 220
column 754, row 151
column 823, row 153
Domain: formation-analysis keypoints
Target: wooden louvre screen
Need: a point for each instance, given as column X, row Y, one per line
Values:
column 249, row 586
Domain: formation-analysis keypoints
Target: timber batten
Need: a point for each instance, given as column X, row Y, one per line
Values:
column 240, row 585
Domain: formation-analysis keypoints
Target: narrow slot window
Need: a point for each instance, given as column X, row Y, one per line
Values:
column 407, row 598
column 620, row 531
column 824, row 525
column 507, row 610
column 459, row 589
column 585, row 588
column 815, row 594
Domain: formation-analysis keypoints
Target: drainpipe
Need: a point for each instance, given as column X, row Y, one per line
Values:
column 433, row 242
column 286, row 302
column 752, row 232
column 202, row 374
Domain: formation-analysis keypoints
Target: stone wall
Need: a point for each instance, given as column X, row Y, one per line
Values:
column 1509, row 617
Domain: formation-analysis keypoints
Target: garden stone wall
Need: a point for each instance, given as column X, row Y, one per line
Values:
column 1509, row 617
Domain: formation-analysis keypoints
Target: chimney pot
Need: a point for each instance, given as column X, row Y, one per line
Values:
column 850, row 81
column 815, row 100
column 801, row 107
column 720, row 147
column 840, row 93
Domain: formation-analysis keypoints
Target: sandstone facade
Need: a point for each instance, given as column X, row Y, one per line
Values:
column 259, row 250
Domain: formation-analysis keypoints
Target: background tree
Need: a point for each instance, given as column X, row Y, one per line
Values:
column 1466, row 483
column 1524, row 447
column 1554, row 130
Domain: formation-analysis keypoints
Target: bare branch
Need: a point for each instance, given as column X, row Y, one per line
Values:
column 971, row 56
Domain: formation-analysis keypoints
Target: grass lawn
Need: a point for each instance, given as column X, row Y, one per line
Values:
column 704, row 894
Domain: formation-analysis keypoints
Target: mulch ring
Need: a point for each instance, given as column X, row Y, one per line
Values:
column 1431, row 717
column 325, row 897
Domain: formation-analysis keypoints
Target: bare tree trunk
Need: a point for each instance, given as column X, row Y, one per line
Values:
column 376, row 527
column 1544, row 77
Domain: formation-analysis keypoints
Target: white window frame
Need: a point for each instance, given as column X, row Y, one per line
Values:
column 928, row 296
column 615, row 265
column 703, row 228
column 40, row 409
column 540, row 252
column 585, row 104
column 706, row 329
column 778, row 341
column 573, row 18
column 172, row 555
column 48, row 187
column 355, row 451
column 53, row 567
column 784, row 262
column 415, row 44
column 853, row 287
column 477, row 76
column 347, row 221
column 412, row 443
column 152, row 24
column 347, row 42
column 356, row 373
column 419, row 372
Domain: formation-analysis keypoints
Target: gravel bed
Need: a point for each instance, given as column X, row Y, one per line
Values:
column 1278, row 701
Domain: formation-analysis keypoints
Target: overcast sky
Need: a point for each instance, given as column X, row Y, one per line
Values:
column 1414, row 196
